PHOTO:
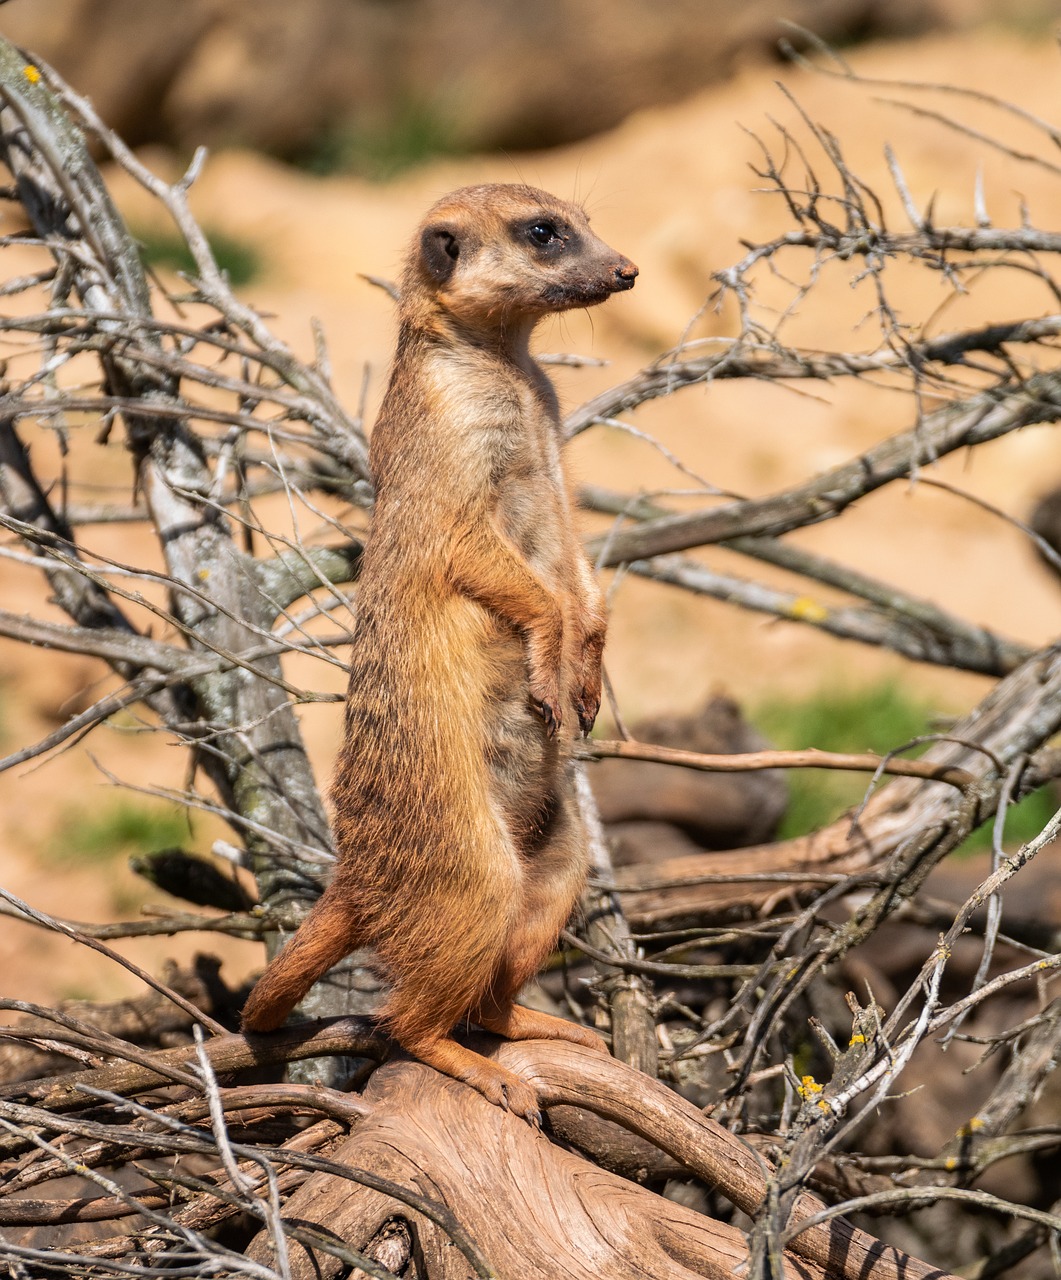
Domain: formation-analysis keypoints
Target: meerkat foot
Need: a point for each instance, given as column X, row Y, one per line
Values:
column 584, row 1036
column 503, row 1088
column 508, row 1091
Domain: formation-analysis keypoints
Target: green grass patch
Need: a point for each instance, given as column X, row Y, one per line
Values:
column 77, row 991
column 240, row 261
column 876, row 717
column 1031, row 22
column 117, row 831
column 415, row 134
column 879, row 718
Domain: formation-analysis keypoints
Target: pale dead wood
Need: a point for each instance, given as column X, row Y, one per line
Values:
column 910, row 625
column 634, row 1234
column 629, row 999
column 961, row 425
column 565, row 1074
column 256, row 756
column 1018, row 717
column 140, row 1020
column 227, row 1053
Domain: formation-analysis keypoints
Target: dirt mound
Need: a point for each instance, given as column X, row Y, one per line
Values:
column 375, row 79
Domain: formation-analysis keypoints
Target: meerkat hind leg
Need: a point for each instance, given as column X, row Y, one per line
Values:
column 434, row 989
column 517, row 1022
column 545, row 909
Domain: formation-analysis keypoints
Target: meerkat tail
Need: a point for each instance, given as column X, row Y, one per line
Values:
column 326, row 936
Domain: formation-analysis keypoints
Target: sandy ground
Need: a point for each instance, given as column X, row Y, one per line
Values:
column 673, row 189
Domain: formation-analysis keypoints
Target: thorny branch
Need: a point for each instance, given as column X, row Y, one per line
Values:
column 709, row 968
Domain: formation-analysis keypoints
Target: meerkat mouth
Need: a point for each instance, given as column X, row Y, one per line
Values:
column 568, row 296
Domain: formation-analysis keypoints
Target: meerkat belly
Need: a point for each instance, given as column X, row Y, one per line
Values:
column 522, row 760
column 412, row 796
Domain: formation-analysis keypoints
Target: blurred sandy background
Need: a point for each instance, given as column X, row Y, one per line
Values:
column 362, row 113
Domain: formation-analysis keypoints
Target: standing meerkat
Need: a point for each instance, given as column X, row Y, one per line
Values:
column 476, row 653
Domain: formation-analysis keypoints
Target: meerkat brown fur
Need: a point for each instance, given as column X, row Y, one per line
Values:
column 476, row 654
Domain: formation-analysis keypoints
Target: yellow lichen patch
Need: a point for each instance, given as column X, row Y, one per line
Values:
column 31, row 73
column 808, row 610
column 808, row 1087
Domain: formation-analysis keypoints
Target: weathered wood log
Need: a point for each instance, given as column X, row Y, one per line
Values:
column 714, row 810
column 536, row 1210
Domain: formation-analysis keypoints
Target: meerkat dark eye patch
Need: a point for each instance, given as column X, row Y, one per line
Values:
column 439, row 250
column 544, row 233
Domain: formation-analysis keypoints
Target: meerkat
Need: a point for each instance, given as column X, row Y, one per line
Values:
column 476, row 654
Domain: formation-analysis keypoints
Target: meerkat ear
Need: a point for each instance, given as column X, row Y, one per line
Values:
column 439, row 251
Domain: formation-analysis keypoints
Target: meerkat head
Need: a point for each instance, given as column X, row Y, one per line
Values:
column 498, row 257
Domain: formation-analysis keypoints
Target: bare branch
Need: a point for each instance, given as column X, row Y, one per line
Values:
column 811, row 758
column 983, row 417
column 49, row 922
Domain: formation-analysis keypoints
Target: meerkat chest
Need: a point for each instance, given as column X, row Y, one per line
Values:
column 500, row 426
column 531, row 501
column 500, row 437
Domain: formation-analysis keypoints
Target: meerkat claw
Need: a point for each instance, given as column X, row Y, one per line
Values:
column 587, row 717
column 551, row 717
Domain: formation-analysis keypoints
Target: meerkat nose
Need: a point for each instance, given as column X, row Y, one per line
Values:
column 625, row 274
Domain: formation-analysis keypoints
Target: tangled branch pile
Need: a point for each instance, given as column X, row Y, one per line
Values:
column 723, row 974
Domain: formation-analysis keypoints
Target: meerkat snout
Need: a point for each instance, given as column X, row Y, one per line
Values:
column 625, row 275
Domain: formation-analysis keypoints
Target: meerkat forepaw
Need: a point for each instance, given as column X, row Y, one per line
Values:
column 587, row 690
column 587, row 707
column 549, row 710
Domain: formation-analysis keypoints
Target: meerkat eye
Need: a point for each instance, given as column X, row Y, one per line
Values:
column 544, row 233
